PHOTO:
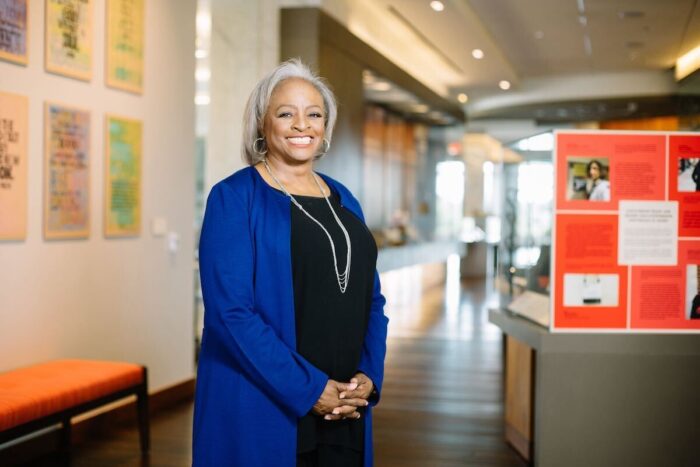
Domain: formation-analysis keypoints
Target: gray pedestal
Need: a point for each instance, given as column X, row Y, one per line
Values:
column 612, row 399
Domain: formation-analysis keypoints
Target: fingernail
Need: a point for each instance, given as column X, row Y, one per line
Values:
column 336, row 411
column 342, row 395
column 327, row 417
column 366, row 403
column 352, row 386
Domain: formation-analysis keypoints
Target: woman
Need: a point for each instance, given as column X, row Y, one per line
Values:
column 294, row 332
column 598, row 189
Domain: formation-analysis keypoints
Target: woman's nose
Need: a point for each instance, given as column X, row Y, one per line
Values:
column 300, row 123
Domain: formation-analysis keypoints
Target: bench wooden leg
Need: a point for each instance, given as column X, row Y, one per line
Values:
column 65, row 439
column 143, row 416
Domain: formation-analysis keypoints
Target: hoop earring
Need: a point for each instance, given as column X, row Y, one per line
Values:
column 261, row 147
column 325, row 150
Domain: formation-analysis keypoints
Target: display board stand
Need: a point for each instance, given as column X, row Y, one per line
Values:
column 610, row 399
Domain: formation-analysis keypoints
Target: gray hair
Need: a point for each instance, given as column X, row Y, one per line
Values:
column 259, row 100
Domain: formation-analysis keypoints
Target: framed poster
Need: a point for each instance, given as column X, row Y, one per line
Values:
column 626, row 233
column 14, row 16
column 66, row 172
column 68, row 35
column 123, row 176
column 14, row 111
column 125, row 33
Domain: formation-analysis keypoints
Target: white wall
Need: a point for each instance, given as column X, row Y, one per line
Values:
column 126, row 299
column 244, row 47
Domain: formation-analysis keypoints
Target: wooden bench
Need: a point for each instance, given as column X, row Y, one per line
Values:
column 39, row 396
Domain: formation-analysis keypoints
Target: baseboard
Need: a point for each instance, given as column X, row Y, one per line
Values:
column 519, row 443
column 95, row 423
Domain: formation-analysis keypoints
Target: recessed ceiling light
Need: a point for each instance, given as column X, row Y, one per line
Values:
column 539, row 34
column 478, row 54
column 437, row 6
column 505, row 85
column 202, row 74
column 201, row 99
column 463, row 98
column 201, row 53
column 420, row 108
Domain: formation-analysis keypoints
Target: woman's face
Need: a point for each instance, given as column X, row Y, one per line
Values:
column 594, row 171
column 294, row 124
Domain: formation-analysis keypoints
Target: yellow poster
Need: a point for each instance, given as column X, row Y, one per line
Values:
column 68, row 38
column 123, row 177
column 13, row 166
column 67, row 174
column 125, row 31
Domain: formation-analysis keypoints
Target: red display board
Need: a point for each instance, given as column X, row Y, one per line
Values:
column 626, row 234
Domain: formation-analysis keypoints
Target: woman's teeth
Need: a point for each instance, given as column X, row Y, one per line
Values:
column 300, row 140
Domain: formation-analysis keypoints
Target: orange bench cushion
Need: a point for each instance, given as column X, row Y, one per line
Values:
column 36, row 391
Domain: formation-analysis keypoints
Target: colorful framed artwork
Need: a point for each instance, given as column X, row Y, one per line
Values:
column 14, row 29
column 125, row 34
column 123, row 176
column 68, row 35
column 66, row 172
column 14, row 134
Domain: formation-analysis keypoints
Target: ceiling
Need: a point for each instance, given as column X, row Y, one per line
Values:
column 527, row 40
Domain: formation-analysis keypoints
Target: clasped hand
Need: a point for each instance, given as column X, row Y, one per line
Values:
column 341, row 400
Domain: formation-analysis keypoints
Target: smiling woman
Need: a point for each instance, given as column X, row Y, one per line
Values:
column 294, row 335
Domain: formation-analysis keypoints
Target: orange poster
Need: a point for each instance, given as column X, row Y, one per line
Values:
column 626, row 232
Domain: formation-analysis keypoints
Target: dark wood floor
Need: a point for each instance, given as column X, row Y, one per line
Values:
column 441, row 403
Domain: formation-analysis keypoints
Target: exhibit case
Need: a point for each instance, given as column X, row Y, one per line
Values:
column 598, row 282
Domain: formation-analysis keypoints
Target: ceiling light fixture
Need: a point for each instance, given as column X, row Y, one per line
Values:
column 688, row 63
column 437, row 6
column 463, row 98
column 478, row 54
column 505, row 85
column 202, row 74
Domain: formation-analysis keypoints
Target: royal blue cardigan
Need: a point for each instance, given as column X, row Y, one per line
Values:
column 252, row 385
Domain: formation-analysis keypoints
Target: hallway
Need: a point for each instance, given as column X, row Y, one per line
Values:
column 441, row 403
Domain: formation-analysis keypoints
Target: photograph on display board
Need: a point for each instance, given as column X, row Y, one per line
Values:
column 591, row 289
column 587, row 179
column 693, row 292
column 68, row 38
column 688, row 175
column 684, row 181
column 13, row 30
column 125, row 33
column 123, row 177
column 14, row 135
column 67, row 176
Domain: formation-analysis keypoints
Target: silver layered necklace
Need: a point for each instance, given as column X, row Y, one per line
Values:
column 344, row 277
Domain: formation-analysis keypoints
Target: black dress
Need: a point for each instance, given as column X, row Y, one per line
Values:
column 330, row 325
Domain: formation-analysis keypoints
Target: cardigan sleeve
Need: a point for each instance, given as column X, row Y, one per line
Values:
column 374, row 347
column 226, row 256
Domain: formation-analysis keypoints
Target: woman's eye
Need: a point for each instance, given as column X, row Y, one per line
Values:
column 284, row 115
column 316, row 115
